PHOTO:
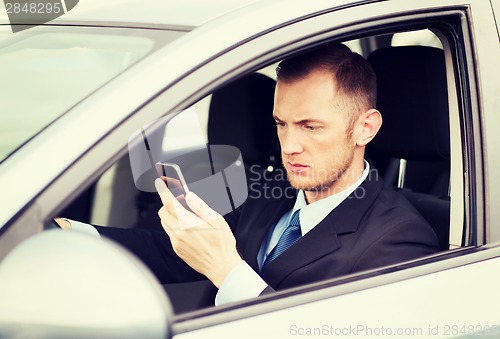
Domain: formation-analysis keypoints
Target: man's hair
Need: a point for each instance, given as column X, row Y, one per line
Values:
column 354, row 78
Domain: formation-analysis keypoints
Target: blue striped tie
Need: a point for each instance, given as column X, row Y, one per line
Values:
column 289, row 237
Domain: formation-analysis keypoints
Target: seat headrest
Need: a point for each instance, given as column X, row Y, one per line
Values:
column 241, row 115
column 413, row 101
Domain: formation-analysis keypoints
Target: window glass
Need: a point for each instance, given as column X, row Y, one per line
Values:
column 354, row 45
column 421, row 37
column 188, row 128
column 45, row 71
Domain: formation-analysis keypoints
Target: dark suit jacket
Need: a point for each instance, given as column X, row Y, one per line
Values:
column 373, row 227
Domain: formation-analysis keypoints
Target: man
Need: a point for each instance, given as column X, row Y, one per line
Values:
column 340, row 221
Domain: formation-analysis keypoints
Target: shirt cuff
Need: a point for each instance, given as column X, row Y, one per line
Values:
column 240, row 284
column 83, row 228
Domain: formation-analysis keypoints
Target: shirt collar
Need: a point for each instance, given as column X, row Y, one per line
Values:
column 312, row 214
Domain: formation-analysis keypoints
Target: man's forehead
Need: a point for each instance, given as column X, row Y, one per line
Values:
column 305, row 92
column 300, row 108
column 316, row 72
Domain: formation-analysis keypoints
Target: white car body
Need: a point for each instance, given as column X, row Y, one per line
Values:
column 447, row 295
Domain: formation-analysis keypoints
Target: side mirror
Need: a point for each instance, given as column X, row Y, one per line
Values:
column 60, row 284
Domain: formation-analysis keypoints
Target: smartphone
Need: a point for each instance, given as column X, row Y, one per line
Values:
column 171, row 174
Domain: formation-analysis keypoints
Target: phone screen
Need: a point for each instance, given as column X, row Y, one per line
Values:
column 172, row 175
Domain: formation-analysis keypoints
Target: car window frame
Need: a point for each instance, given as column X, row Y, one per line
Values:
column 193, row 99
column 456, row 58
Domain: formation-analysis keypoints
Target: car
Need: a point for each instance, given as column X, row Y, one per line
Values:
column 91, row 99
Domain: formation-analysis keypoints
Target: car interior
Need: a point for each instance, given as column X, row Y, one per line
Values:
column 413, row 99
column 411, row 152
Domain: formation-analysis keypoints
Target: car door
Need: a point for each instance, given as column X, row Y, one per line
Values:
column 379, row 302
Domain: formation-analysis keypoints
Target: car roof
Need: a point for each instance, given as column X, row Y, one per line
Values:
column 145, row 13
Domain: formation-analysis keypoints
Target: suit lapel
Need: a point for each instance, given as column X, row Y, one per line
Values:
column 258, row 225
column 323, row 239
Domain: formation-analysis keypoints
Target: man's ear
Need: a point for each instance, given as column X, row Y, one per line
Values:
column 369, row 125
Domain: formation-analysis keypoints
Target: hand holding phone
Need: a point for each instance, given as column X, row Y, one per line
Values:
column 172, row 175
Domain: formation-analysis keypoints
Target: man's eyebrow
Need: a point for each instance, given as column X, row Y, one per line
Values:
column 308, row 121
column 303, row 121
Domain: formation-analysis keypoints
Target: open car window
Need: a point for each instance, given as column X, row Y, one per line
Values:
column 239, row 114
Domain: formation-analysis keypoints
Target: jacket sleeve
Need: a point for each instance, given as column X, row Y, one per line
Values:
column 403, row 242
column 154, row 249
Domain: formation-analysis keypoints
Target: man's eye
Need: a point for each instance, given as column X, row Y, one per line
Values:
column 309, row 127
column 280, row 124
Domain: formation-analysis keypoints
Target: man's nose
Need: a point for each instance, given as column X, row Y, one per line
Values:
column 290, row 143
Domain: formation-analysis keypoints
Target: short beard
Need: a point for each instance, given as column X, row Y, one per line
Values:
column 325, row 186
column 330, row 180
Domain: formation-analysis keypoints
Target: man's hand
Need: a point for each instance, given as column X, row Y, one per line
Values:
column 201, row 238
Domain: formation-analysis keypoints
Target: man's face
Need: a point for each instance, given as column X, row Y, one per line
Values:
column 316, row 147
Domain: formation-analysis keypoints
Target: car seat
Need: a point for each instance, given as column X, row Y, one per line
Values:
column 412, row 149
column 241, row 115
